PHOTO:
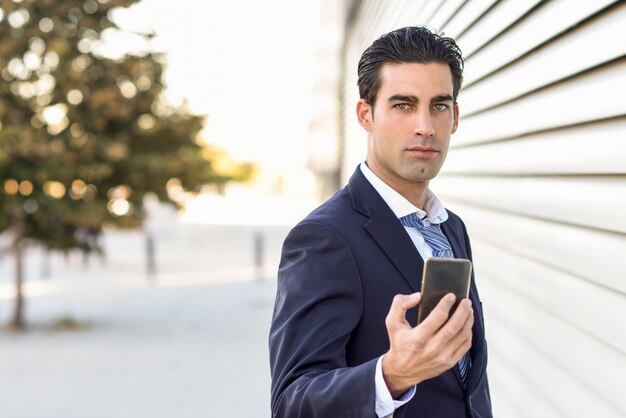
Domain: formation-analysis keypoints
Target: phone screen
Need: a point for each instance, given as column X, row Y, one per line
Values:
column 442, row 276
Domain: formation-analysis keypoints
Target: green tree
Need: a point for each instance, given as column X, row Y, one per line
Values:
column 83, row 138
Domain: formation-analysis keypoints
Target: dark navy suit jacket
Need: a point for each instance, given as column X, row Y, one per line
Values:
column 339, row 271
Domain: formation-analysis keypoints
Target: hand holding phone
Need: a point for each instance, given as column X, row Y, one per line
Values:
column 442, row 276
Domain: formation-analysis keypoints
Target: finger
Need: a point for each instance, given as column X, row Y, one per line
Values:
column 439, row 315
column 458, row 329
column 451, row 352
column 463, row 310
column 462, row 347
column 461, row 314
column 399, row 306
column 465, row 331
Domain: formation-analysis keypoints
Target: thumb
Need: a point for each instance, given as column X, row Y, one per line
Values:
column 397, row 312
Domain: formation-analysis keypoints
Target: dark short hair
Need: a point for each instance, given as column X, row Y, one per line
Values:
column 413, row 44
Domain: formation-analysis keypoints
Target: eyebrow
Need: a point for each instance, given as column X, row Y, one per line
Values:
column 443, row 98
column 402, row 98
column 413, row 99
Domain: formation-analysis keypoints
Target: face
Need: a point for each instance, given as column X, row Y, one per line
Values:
column 410, row 125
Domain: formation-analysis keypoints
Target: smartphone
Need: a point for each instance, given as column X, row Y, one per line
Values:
column 442, row 276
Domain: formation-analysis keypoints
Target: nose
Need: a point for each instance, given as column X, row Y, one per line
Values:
column 424, row 123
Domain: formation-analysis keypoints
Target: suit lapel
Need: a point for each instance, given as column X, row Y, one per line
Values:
column 458, row 252
column 386, row 230
column 477, row 352
column 453, row 239
column 393, row 240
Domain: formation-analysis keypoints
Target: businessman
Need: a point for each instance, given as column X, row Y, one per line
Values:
column 344, row 340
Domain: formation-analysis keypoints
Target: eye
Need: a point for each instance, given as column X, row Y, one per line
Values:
column 402, row 106
column 440, row 107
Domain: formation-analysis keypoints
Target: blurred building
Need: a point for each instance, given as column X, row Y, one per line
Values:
column 325, row 123
column 537, row 170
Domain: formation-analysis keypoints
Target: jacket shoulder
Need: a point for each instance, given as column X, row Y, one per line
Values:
column 455, row 221
column 334, row 213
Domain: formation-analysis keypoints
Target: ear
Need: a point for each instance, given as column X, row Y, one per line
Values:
column 455, row 124
column 364, row 114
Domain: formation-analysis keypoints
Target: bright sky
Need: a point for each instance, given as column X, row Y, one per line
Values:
column 248, row 64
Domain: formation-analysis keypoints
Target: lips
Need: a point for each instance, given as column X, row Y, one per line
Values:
column 422, row 152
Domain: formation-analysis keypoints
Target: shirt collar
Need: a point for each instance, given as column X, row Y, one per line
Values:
column 433, row 213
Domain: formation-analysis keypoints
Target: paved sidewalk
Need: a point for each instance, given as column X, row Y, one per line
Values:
column 191, row 342
column 172, row 349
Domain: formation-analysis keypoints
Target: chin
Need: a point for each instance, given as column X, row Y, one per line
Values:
column 418, row 178
column 419, row 174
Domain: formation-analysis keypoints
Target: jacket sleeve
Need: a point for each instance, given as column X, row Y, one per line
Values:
column 318, row 304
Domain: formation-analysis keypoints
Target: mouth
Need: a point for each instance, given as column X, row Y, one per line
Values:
column 422, row 152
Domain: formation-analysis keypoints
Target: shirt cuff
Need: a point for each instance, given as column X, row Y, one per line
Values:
column 385, row 404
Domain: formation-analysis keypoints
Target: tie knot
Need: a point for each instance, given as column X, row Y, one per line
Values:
column 412, row 220
column 432, row 234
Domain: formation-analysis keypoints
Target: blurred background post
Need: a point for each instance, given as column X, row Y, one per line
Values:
column 153, row 156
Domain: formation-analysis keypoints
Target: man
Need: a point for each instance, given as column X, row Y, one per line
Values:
column 344, row 340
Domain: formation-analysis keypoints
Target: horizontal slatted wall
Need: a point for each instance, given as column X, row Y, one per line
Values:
column 537, row 169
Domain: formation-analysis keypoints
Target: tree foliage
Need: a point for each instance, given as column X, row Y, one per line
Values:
column 83, row 137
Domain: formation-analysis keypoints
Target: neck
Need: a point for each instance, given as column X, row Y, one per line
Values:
column 416, row 194
column 413, row 191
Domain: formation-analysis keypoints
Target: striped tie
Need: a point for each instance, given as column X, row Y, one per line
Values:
column 432, row 234
column 440, row 247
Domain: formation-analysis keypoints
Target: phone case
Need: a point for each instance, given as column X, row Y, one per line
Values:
column 442, row 276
